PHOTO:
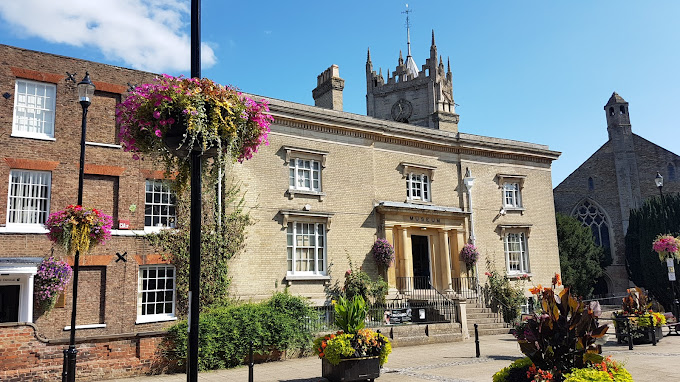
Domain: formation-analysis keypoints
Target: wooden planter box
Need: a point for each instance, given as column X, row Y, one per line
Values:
column 353, row 369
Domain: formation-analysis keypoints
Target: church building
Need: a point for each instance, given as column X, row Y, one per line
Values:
column 618, row 177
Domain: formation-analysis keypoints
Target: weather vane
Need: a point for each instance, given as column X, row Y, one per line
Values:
column 407, row 11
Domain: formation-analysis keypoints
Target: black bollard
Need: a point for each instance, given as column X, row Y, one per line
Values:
column 653, row 329
column 630, row 337
column 251, row 363
column 477, row 340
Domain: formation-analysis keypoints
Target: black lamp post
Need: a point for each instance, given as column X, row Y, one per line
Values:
column 659, row 183
column 195, row 218
column 85, row 92
column 670, row 262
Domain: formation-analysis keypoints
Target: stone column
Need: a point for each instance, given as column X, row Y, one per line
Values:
column 391, row 271
column 446, row 256
column 408, row 256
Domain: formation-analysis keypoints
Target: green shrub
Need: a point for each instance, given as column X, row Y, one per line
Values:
column 350, row 315
column 517, row 371
column 225, row 332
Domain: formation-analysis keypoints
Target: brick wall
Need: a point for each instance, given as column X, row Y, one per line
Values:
column 27, row 357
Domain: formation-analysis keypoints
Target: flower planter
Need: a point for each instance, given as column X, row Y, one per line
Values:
column 351, row 369
column 640, row 336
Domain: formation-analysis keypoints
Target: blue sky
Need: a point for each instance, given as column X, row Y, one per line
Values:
column 530, row 70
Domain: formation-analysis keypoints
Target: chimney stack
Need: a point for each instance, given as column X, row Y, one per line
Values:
column 328, row 91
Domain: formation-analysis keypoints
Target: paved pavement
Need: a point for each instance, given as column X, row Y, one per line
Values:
column 450, row 362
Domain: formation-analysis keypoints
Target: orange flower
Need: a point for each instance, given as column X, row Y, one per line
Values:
column 323, row 344
column 556, row 279
column 536, row 290
column 321, row 355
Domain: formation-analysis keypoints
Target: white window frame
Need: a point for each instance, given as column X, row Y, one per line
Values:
column 46, row 109
column 43, row 193
column 418, row 187
column 301, row 170
column 319, row 251
column 516, row 260
column 315, row 158
column 512, row 195
column 167, row 191
column 142, row 316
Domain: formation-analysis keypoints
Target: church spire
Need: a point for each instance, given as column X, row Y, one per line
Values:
column 411, row 67
column 368, row 56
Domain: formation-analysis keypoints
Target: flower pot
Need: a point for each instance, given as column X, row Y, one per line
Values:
column 351, row 369
column 173, row 139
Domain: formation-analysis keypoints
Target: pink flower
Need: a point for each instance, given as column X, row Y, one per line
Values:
column 157, row 114
column 158, row 133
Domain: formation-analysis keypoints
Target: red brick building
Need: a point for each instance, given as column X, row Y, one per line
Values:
column 122, row 305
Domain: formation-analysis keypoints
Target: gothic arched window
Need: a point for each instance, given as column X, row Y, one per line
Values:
column 592, row 216
column 671, row 171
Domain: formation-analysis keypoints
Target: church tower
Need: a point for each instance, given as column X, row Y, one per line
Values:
column 422, row 98
column 625, row 160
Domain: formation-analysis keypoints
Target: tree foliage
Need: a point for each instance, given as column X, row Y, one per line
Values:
column 580, row 258
column 656, row 216
column 223, row 234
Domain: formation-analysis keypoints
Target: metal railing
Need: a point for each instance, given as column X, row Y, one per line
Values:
column 420, row 303
column 465, row 286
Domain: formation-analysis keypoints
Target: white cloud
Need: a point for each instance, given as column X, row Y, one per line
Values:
column 149, row 35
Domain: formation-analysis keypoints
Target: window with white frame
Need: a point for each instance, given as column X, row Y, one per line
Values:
column 516, row 255
column 159, row 207
column 34, row 104
column 418, row 187
column 306, row 245
column 305, row 174
column 28, row 197
column 512, row 197
column 156, row 292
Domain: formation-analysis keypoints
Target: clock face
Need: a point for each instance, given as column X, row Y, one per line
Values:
column 402, row 110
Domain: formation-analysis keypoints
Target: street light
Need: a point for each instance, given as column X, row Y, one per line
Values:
column 659, row 183
column 85, row 93
column 670, row 262
column 469, row 181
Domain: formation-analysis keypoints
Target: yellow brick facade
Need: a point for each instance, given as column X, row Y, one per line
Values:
column 363, row 188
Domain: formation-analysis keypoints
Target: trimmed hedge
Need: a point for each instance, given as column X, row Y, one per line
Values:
column 225, row 332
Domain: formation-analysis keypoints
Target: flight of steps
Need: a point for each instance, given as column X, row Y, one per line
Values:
column 488, row 322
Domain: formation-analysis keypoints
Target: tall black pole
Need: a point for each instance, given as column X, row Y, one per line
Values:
column 195, row 233
column 69, row 370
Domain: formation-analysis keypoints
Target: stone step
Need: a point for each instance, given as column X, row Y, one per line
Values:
column 488, row 332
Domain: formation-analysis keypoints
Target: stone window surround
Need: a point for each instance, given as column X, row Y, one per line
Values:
column 413, row 168
column 511, row 178
column 291, row 216
column 516, row 228
column 308, row 154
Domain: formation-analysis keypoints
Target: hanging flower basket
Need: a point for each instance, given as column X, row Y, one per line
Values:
column 51, row 279
column 469, row 255
column 667, row 246
column 173, row 116
column 79, row 229
column 383, row 253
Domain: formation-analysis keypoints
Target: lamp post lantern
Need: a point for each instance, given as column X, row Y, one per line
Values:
column 659, row 183
column 85, row 93
column 469, row 181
